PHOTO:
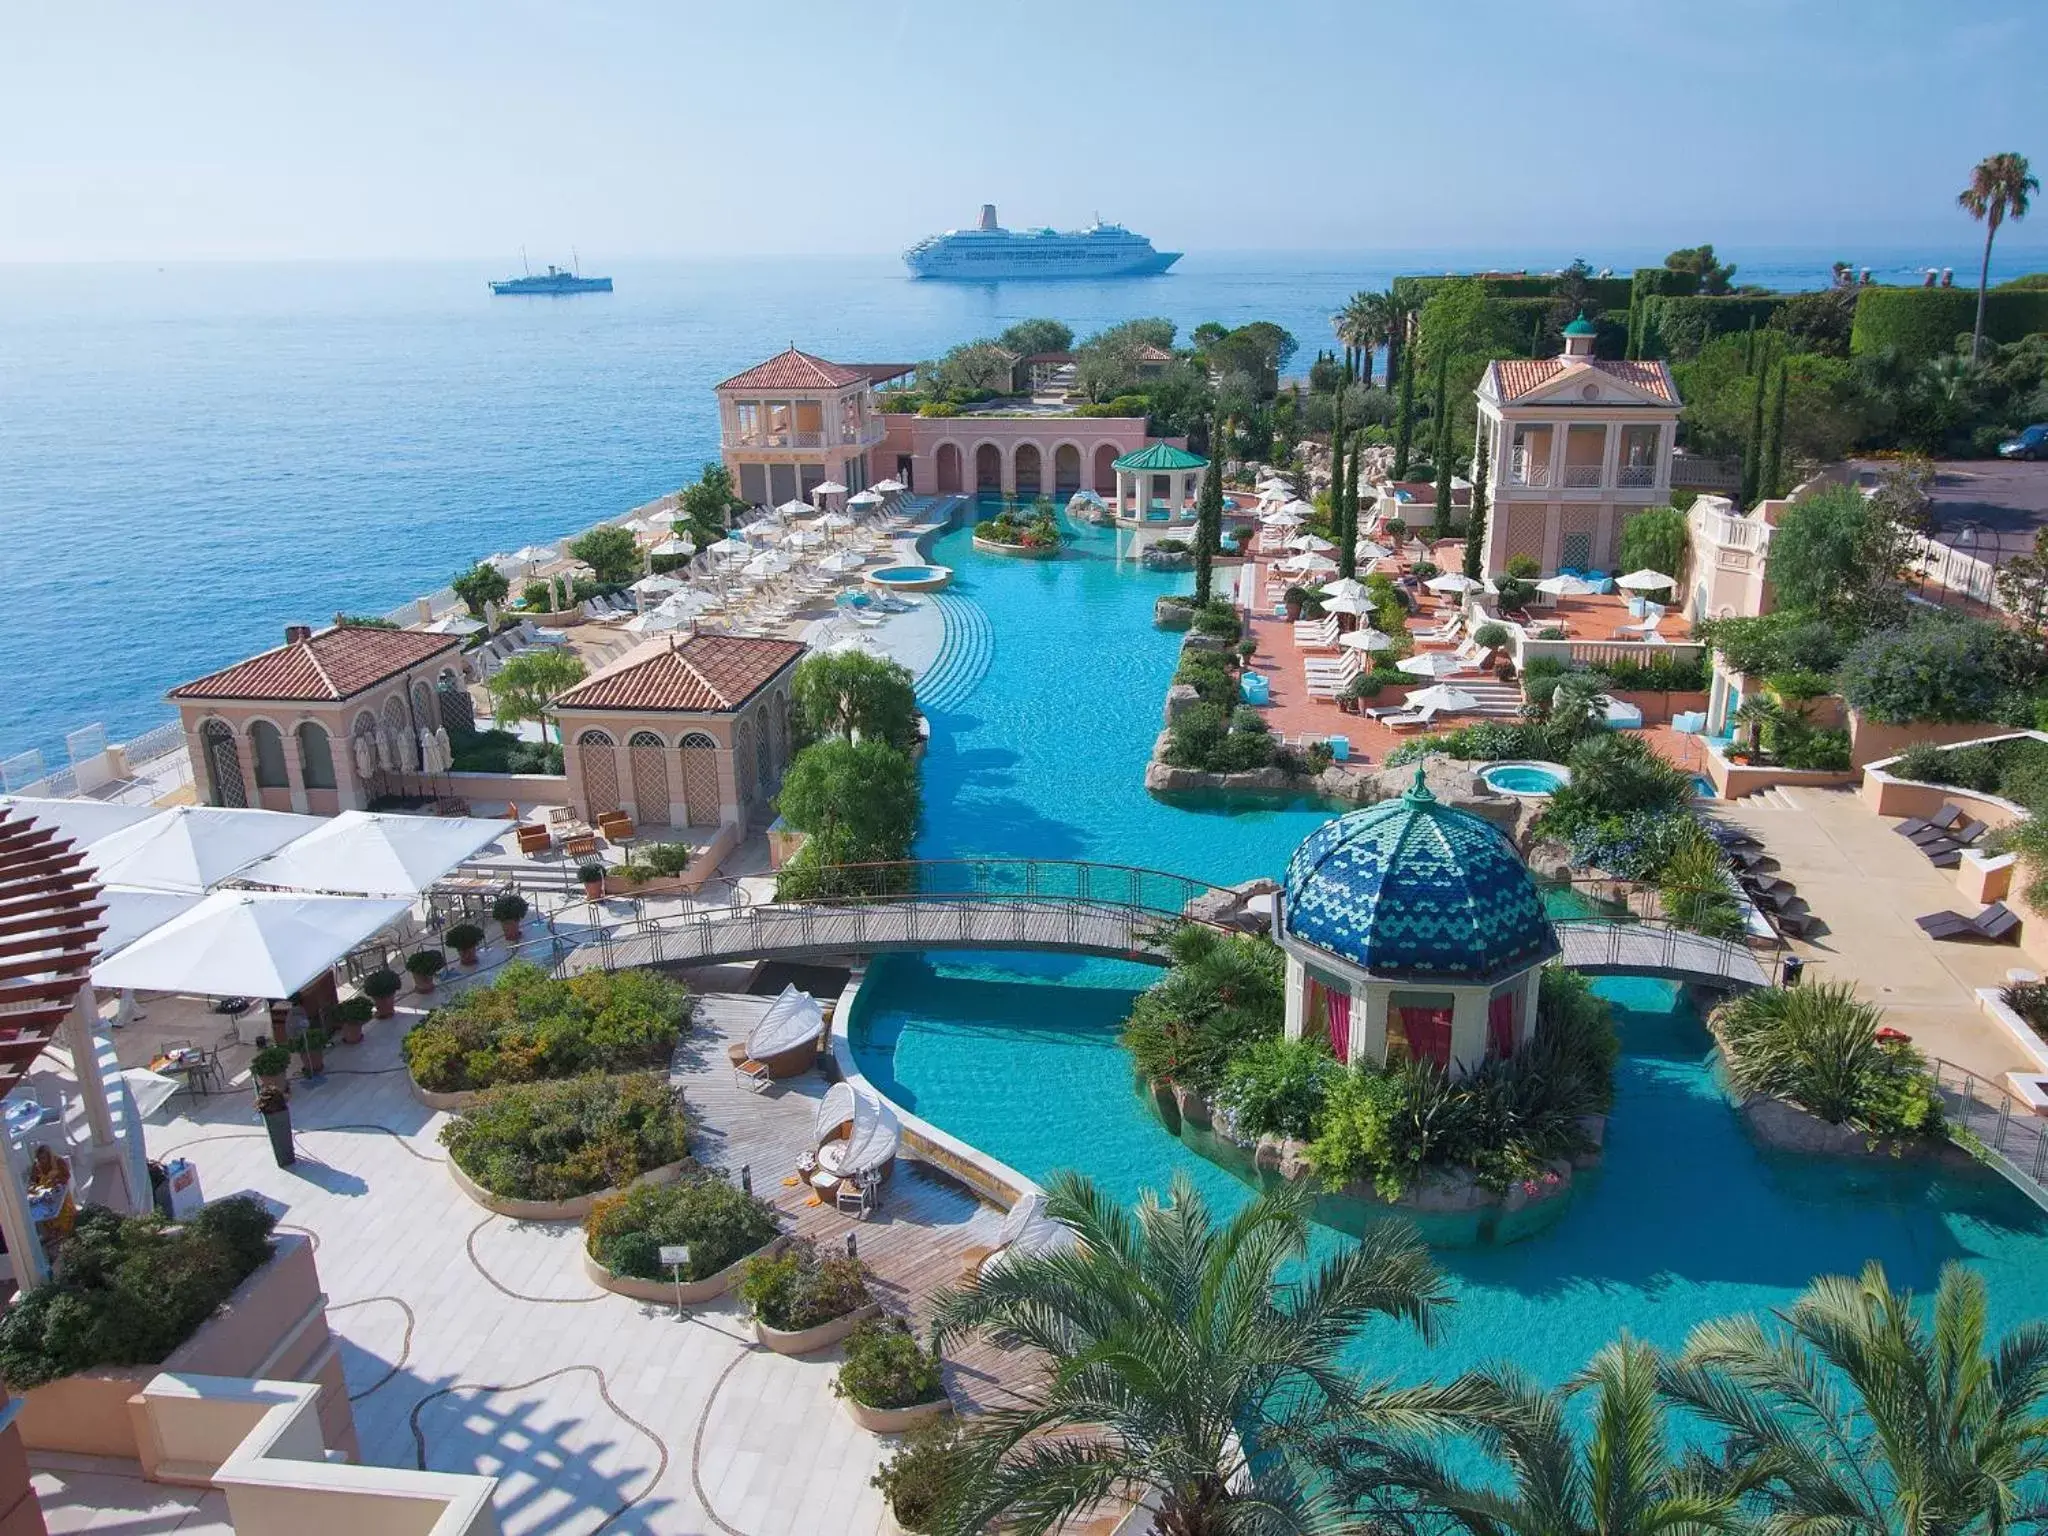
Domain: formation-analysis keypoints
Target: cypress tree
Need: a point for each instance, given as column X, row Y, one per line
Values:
column 1770, row 484
column 1752, row 448
column 1441, row 451
column 1475, row 525
column 1209, row 517
column 1346, row 503
column 1635, row 319
column 1404, row 421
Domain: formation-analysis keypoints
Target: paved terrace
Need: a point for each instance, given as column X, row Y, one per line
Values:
column 474, row 1343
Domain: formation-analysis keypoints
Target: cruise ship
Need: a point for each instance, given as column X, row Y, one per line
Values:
column 552, row 281
column 990, row 251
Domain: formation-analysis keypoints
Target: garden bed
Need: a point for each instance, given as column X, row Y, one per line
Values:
column 808, row 1341
column 549, row 1151
column 1021, row 551
column 691, row 1292
column 574, row 1208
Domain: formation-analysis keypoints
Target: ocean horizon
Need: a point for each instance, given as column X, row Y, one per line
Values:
column 194, row 454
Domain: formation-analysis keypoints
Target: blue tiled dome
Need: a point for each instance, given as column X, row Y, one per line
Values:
column 1413, row 889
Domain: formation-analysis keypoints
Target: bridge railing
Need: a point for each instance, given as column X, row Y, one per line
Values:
column 2011, row 1137
column 1119, row 885
column 1627, row 943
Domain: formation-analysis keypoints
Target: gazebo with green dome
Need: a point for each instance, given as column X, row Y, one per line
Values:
column 1412, row 927
column 1158, row 476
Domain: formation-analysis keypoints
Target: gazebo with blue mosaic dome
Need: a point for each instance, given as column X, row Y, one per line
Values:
column 1414, row 925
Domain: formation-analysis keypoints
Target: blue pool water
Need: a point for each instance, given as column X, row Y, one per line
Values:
column 1518, row 779
column 1702, row 787
column 1017, row 1053
column 903, row 573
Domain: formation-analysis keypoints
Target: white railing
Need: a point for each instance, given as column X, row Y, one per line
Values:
column 1534, row 476
column 1749, row 533
column 153, row 744
column 1597, row 653
column 1952, row 570
column 1581, row 476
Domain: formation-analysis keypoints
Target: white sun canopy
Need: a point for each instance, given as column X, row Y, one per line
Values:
column 195, row 847
column 792, row 1020
column 83, row 822
column 365, row 853
column 872, row 1135
column 248, row 944
column 133, row 910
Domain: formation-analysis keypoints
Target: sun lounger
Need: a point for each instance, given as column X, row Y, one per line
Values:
column 1950, row 815
column 1326, row 682
column 1417, row 720
column 1317, row 635
column 1994, row 925
column 1947, row 852
column 1797, row 924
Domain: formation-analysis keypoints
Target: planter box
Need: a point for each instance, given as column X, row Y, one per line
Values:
column 805, row 1341
column 896, row 1421
column 453, row 1102
column 274, row 1325
column 552, row 1210
column 693, row 1292
column 1018, row 551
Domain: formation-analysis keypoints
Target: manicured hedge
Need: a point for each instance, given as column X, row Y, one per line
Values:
column 129, row 1289
column 526, row 1027
column 1605, row 292
column 556, row 1141
column 1650, row 281
column 720, row 1221
column 1925, row 322
column 1680, row 326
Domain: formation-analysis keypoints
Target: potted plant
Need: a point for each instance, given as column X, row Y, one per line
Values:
column 424, row 964
column 464, row 937
column 890, row 1382
column 1357, row 691
column 269, row 1066
column 510, row 910
column 276, row 1109
column 1296, row 599
column 381, row 988
column 350, row 1015
column 592, row 876
column 918, row 1477
column 312, row 1046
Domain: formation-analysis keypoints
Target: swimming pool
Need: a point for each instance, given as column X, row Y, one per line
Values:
column 895, row 573
column 1017, row 1052
column 912, row 577
column 1529, row 779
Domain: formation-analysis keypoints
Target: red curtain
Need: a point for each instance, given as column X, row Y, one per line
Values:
column 1429, row 1034
column 1500, row 1025
column 1339, row 1004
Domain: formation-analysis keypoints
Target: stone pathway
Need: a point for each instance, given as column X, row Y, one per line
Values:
column 473, row 1343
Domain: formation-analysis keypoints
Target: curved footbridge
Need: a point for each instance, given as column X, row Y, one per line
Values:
column 1077, row 908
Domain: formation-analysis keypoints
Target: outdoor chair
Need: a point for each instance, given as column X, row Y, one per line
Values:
column 582, row 846
column 1994, row 925
column 617, row 826
column 1947, row 852
column 1950, row 815
column 534, row 841
column 1798, row 924
column 1418, row 720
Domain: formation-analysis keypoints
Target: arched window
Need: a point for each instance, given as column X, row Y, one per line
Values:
column 223, row 764
column 316, row 756
column 267, row 747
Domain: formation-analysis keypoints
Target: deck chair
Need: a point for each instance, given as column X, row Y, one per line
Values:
column 1317, row 635
column 534, row 841
column 1994, row 925
column 1416, row 720
column 1950, row 815
column 1947, row 852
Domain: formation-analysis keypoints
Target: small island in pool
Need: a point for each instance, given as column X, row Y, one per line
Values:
column 1011, row 532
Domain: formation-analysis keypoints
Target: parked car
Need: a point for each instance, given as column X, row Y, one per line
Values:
column 2032, row 443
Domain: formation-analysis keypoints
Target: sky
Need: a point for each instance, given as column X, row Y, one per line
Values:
column 454, row 129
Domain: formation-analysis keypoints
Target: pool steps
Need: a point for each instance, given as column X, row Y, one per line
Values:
column 966, row 648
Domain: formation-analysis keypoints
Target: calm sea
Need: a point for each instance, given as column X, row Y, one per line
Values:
column 193, row 456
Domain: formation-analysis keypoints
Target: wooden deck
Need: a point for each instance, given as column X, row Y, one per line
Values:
column 916, row 1244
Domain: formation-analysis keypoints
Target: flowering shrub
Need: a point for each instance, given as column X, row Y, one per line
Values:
column 555, row 1141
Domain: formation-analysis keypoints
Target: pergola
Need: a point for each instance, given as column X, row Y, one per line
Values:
column 1160, row 472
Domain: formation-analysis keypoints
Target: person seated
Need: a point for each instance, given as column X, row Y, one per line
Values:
column 46, row 1170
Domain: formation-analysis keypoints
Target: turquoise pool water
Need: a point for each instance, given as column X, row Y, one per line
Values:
column 1519, row 779
column 1017, row 1052
column 904, row 573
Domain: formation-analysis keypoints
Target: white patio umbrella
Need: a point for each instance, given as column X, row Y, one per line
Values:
column 1453, row 581
column 1430, row 664
column 1299, row 508
column 1282, row 519
column 853, row 642
column 1308, row 564
column 364, row 750
column 765, row 527
column 1348, row 603
column 1345, row 586
column 890, row 486
column 729, row 547
column 1452, row 701
column 430, row 762
column 133, row 910
column 674, row 547
column 445, row 748
column 792, row 508
column 859, row 499
column 1564, row 586
column 840, row 561
column 657, row 586
column 1644, row 581
column 533, row 554
column 828, row 488
column 248, row 943
column 504, row 565
column 763, row 566
column 82, row 822
column 365, row 853
column 455, row 624
column 838, row 522
column 194, row 847
column 646, row 527
column 1369, row 551
column 1365, row 640
column 1309, row 541
column 803, row 538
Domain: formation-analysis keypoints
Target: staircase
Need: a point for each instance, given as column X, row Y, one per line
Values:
column 1496, row 700
column 966, row 649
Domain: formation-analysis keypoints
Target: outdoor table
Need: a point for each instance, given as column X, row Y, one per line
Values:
column 186, row 1063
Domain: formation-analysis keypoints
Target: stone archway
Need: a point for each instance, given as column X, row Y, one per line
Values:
column 1066, row 469
column 1030, row 471
column 948, row 467
column 596, row 755
column 988, row 468
column 699, row 755
column 1105, row 469
column 743, row 762
column 223, row 765
column 647, row 757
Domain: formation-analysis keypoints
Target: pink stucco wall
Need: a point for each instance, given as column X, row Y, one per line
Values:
column 943, row 451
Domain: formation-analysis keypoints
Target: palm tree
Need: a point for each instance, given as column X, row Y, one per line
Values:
column 1621, row 1480
column 1753, row 714
column 1366, row 320
column 1856, row 1418
column 1176, row 1357
column 1999, row 188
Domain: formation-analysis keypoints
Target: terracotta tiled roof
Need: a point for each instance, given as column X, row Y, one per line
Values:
column 335, row 663
column 1516, row 377
column 706, row 674
column 795, row 370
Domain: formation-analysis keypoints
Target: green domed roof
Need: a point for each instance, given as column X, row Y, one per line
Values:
column 1582, row 327
column 1413, row 889
column 1160, row 456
